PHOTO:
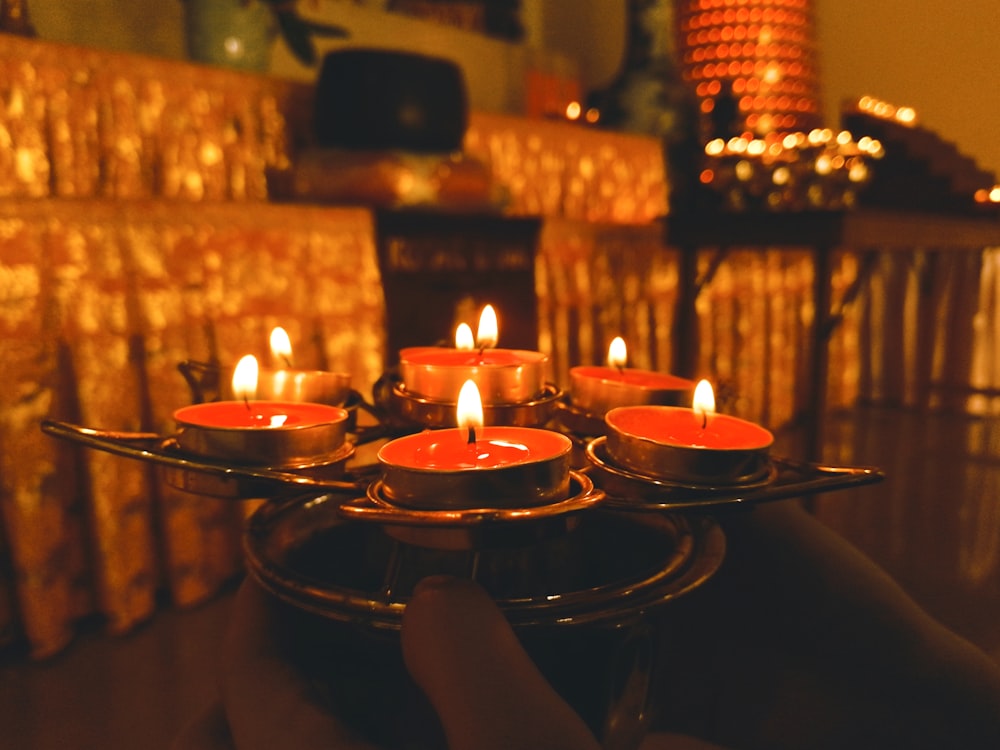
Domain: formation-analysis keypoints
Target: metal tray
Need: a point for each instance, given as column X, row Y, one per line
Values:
column 204, row 476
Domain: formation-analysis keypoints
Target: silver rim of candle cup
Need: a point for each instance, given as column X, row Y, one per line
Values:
column 598, row 395
column 520, row 485
column 687, row 464
column 498, row 384
column 290, row 447
column 439, row 414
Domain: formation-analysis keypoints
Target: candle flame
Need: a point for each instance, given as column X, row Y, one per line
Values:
column 703, row 402
column 488, row 333
column 463, row 338
column 245, row 378
column 469, row 409
column 281, row 346
column 617, row 353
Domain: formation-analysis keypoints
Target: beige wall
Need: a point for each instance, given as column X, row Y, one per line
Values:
column 939, row 56
column 150, row 26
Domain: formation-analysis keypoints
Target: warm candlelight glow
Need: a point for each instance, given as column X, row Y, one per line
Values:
column 281, row 346
column 488, row 333
column 703, row 402
column 463, row 338
column 469, row 409
column 617, row 353
column 245, row 378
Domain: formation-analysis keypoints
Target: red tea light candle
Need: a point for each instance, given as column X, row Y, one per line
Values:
column 504, row 376
column 268, row 433
column 473, row 466
column 284, row 382
column 691, row 445
column 597, row 389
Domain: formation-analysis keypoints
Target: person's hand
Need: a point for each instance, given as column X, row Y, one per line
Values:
column 486, row 690
column 458, row 648
column 798, row 642
column 801, row 641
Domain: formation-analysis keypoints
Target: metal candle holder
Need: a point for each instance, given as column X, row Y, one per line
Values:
column 780, row 479
column 219, row 478
column 582, row 571
column 570, row 578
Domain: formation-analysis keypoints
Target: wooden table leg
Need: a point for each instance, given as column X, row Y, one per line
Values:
column 685, row 336
column 819, row 355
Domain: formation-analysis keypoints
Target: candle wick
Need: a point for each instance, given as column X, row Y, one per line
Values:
column 246, row 401
column 704, row 420
column 472, row 435
column 621, row 369
column 288, row 361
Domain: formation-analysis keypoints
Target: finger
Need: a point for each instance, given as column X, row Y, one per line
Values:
column 269, row 703
column 486, row 690
column 207, row 731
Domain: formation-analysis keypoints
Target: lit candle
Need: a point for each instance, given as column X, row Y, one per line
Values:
column 694, row 445
column 596, row 389
column 281, row 346
column 463, row 338
column 474, row 466
column 504, row 376
column 251, row 431
column 283, row 382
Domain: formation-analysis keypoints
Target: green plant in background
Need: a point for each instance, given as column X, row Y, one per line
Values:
column 298, row 32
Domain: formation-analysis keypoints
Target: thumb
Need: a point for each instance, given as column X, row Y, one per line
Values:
column 486, row 690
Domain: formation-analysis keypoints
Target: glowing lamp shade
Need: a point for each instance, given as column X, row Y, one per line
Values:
column 759, row 54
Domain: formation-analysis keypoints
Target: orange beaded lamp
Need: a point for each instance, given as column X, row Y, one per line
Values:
column 752, row 63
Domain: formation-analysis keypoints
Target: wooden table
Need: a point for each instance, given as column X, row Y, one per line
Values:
column 823, row 233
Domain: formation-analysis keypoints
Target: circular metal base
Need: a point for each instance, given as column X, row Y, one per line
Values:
column 581, row 603
column 608, row 567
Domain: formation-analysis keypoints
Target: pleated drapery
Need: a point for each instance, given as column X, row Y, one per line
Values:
column 110, row 300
